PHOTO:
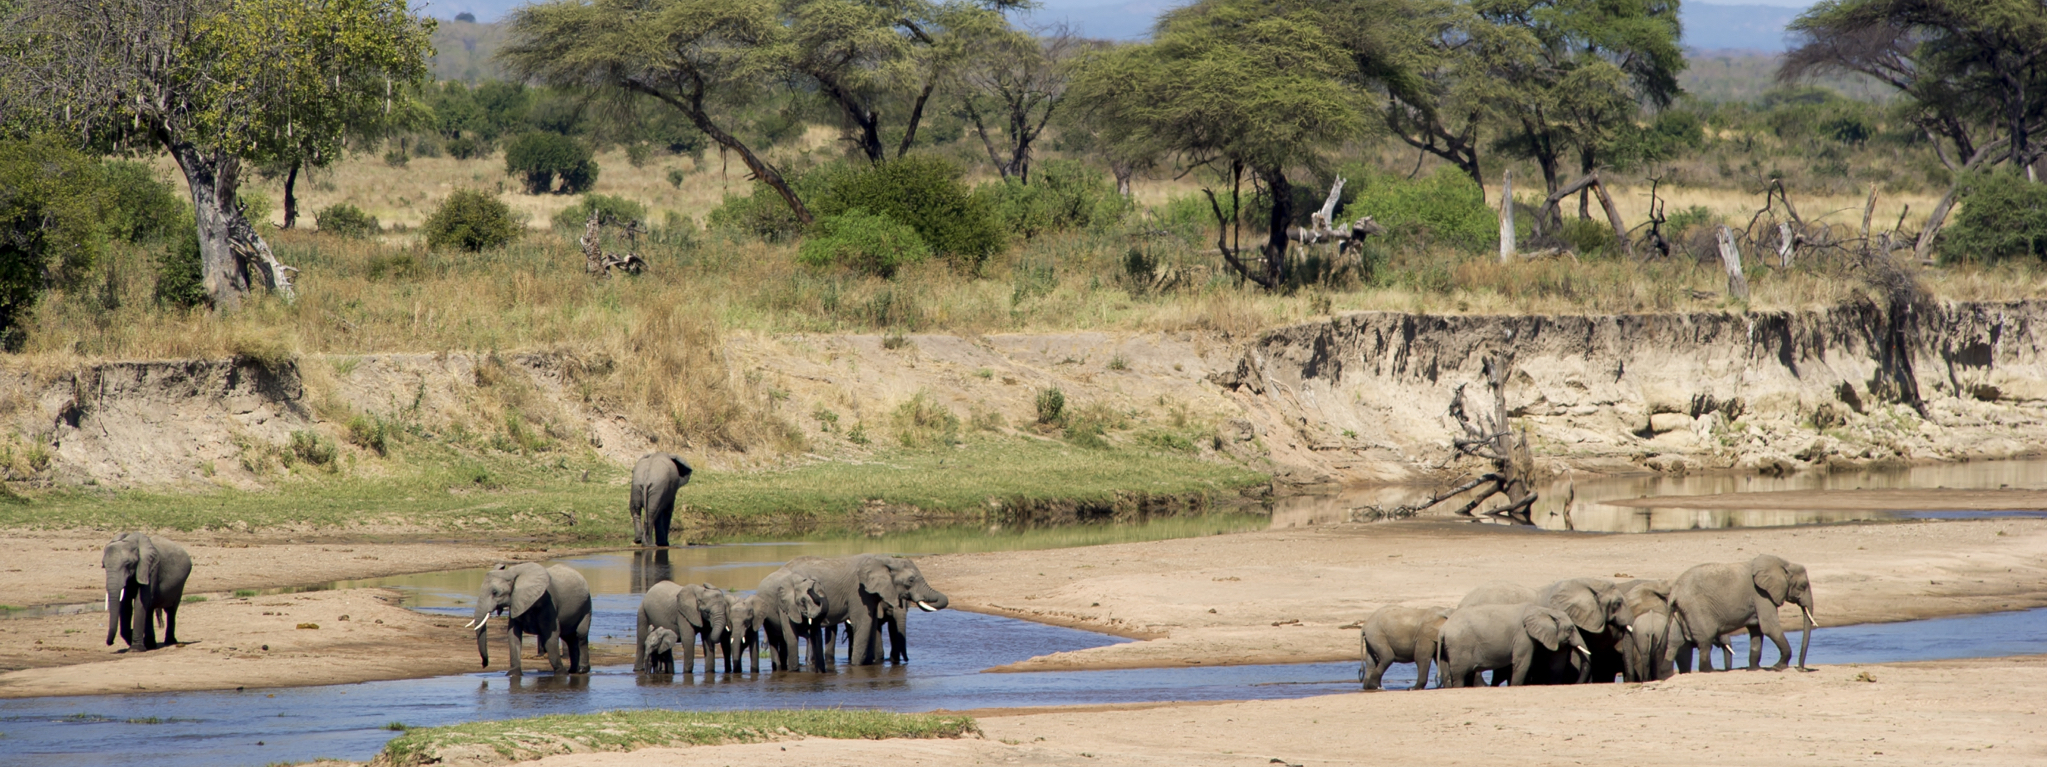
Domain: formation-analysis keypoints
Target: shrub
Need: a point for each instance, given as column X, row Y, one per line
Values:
column 676, row 177
column 864, row 242
column 469, row 147
column 1587, row 236
column 1051, row 406
column 637, row 154
column 925, row 193
column 312, row 448
column 180, row 278
column 762, row 212
column 52, row 224
column 923, row 422
column 613, row 210
column 144, row 208
column 472, row 220
column 371, row 433
column 397, row 157
column 1062, row 195
column 2002, row 216
column 538, row 159
column 256, row 205
column 1445, row 208
column 345, row 220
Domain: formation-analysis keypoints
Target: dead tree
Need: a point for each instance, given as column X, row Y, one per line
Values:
column 1319, row 231
column 1552, row 217
column 599, row 263
column 1487, row 435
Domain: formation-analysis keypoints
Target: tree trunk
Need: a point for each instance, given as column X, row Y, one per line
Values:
column 693, row 108
column 1507, row 216
column 1282, row 215
column 213, row 179
column 916, row 116
column 291, row 200
column 1123, row 171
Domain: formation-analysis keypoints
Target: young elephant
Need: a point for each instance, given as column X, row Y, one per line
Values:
column 698, row 610
column 145, row 578
column 1503, row 638
column 659, row 650
column 1396, row 634
column 551, row 603
column 1712, row 600
column 743, row 633
column 1644, row 648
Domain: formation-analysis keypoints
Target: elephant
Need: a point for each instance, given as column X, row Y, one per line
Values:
column 1712, row 600
column 743, row 633
column 551, row 603
column 789, row 606
column 145, row 577
column 1601, row 613
column 696, row 611
column 855, row 590
column 1503, row 638
column 1644, row 648
column 656, row 477
column 659, row 650
column 1498, row 593
column 1395, row 634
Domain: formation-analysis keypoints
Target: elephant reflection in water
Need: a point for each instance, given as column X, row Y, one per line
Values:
column 650, row 566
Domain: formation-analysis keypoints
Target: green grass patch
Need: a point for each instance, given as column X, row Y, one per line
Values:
column 526, row 739
column 461, row 492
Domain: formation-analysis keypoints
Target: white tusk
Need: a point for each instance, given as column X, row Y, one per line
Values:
column 1584, row 652
column 1808, row 616
column 1630, row 629
column 927, row 608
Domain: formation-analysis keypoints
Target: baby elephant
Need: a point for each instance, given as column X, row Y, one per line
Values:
column 1511, row 638
column 660, row 651
column 1396, row 634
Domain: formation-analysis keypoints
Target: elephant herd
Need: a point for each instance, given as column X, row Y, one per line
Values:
column 807, row 601
column 1592, row 629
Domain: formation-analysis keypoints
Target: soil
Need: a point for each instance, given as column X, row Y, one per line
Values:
column 1296, row 595
column 1973, row 712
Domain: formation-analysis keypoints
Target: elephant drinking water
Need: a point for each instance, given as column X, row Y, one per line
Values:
column 1503, row 638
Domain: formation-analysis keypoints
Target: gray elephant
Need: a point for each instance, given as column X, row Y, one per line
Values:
column 698, row 611
column 1395, row 634
column 659, row 650
column 1645, row 648
column 1604, row 621
column 656, row 477
column 1498, row 593
column 145, row 578
column 1712, row 600
column 551, row 603
column 855, row 590
column 743, row 633
column 789, row 606
column 1503, row 638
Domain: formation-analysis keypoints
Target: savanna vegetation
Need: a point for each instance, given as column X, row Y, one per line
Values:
column 845, row 166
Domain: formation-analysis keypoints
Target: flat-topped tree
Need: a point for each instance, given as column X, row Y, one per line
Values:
column 217, row 84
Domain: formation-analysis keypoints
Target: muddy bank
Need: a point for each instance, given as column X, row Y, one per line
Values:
column 1288, row 596
column 1356, row 397
column 1976, row 712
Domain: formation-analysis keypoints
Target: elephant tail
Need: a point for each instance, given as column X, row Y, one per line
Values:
column 638, row 500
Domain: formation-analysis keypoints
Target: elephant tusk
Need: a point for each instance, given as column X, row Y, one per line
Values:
column 1808, row 616
column 926, row 607
column 1630, row 629
column 1584, row 652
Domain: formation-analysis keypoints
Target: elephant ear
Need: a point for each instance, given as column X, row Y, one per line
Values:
column 690, row 602
column 528, row 587
column 878, row 579
column 1582, row 604
column 681, row 467
column 1772, row 578
column 1543, row 626
column 790, row 608
column 145, row 565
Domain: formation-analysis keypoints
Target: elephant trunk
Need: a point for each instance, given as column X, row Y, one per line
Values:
column 114, row 597
column 930, row 600
column 483, row 641
column 1805, row 640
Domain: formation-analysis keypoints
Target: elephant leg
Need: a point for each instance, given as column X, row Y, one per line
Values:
column 899, row 642
column 820, row 650
column 863, row 630
column 127, row 620
column 689, row 653
column 1522, row 661
column 1771, row 627
column 1421, row 667
column 513, row 640
column 170, row 625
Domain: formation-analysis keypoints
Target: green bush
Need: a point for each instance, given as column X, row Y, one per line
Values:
column 472, row 220
column 345, row 220
column 312, row 448
column 1061, row 195
column 180, row 277
column 638, row 153
column 397, row 157
column 615, row 211
column 539, row 159
column 53, row 216
column 1587, row 236
column 924, row 422
column 864, row 242
column 1446, row 208
column 925, row 193
column 762, row 213
column 256, row 205
column 2002, row 216
column 469, row 148
column 144, row 208
column 1051, row 405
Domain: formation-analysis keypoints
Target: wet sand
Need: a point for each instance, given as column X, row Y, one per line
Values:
column 1853, row 500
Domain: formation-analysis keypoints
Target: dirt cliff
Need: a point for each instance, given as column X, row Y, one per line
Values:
column 1356, row 397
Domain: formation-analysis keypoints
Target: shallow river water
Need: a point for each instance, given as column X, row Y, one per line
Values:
column 949, row 649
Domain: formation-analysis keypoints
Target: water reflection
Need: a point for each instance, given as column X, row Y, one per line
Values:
column 1590, row 498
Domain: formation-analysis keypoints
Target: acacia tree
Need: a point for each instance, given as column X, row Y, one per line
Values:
column 1973, row 75
column 1572, row 73
column 217, row 84
column 1237, row 86
column 1021, row 79
column 698, row 56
